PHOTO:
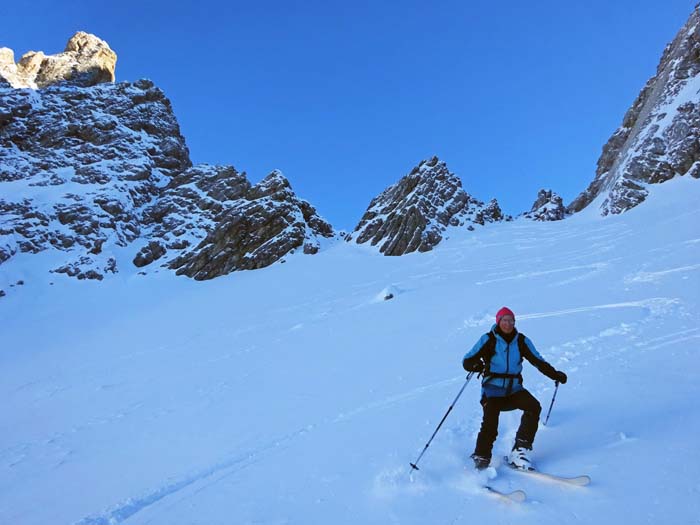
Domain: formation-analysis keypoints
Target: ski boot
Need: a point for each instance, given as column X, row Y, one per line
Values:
column 480, row 462
column 518, row 458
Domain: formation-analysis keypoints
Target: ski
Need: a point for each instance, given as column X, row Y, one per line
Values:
column 579, row 481
column 517, row 496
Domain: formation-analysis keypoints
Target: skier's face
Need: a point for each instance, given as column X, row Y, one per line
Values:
column 507, row 323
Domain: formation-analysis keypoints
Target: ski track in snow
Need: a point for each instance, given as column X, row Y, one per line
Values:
column 595, row 267
column 645, row 277
column 131, row 506
column 656, row 305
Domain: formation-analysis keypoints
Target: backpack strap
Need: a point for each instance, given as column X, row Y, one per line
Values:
column 489, row 350
column 522, row 345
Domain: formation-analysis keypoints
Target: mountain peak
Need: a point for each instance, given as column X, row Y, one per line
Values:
column 275, row 179
column 87, row 60
column 427, row 165
column 659, row 134
column 274, row 185
column 412, row 214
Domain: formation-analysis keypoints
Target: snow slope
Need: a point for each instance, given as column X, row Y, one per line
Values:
column 297, row 395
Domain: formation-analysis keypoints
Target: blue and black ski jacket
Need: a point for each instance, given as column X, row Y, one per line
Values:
column 502, row 362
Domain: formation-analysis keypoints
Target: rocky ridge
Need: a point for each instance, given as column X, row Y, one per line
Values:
column 88, row 171
column 660, row 134
column 413, row 214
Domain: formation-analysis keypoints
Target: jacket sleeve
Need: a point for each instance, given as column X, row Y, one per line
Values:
column 472, row 357
column 533, row 356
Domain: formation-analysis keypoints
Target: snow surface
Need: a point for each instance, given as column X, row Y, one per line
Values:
column 294, row 395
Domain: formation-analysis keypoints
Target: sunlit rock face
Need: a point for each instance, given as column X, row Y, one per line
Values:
column 86, row 61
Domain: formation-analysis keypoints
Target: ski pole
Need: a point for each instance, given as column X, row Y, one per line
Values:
column 554, row 396
column 414, row 466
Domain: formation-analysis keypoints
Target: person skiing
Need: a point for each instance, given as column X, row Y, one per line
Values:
column 498, row 355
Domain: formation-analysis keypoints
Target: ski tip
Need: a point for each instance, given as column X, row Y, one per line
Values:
column 581, row 481
column 517, row 496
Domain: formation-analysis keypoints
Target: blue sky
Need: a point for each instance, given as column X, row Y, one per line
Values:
column 346, row 97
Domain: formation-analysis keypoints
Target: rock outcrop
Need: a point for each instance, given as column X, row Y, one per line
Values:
column 86, row 61
column 660, row 134
column 412, row 214
column 77, row 164
column 90, row 170
column 238, row 227
column 547, row 207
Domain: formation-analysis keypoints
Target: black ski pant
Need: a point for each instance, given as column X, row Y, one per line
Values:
column 493, row 406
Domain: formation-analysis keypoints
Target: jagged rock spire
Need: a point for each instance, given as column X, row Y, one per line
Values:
column 413, row 213
column 547, row 207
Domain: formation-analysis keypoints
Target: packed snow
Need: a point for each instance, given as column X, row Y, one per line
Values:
column 298, row 394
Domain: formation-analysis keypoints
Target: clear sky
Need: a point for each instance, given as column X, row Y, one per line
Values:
column 346, row 97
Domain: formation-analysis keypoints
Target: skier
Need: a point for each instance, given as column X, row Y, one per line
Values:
column 498, row 355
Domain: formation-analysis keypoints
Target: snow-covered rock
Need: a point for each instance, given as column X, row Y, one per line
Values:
column 254, row 229
column 413, row 213
column 660, row 134
column 547, row 207
column 77, row 166
column 90, row 170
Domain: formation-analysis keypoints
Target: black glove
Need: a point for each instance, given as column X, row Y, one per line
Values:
column 473, row 365
column 560, row 377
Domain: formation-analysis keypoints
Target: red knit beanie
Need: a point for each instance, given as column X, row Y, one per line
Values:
column 504, row 311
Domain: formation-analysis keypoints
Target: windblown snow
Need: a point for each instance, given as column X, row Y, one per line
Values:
column 296, row 394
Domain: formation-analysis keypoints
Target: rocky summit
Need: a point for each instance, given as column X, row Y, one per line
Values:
column 547, row 207
column 86, row 61
column 93, row 172
column 413, row 214
column 660, row 134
